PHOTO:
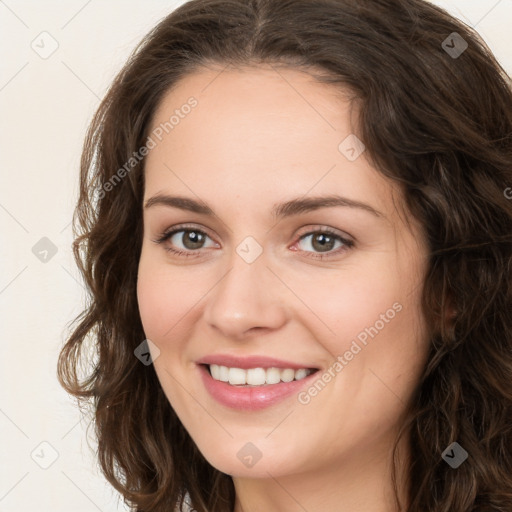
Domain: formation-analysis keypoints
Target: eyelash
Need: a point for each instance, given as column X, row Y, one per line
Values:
column 166, row 235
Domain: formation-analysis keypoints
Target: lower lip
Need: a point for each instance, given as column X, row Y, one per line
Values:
column 250, row 398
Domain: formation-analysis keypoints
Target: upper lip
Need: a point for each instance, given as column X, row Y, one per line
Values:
column 249, row 362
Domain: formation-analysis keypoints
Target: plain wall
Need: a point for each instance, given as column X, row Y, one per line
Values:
column 46, row 104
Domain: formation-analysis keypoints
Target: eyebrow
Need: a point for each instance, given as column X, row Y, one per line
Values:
column 287, row 209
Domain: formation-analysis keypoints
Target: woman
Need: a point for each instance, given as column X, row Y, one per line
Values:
column 295, row 228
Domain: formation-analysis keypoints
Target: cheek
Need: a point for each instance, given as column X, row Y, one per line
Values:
column 152, row 305
column 166, row 294
column 161, row 298
column 348, row 301
column 371, row 317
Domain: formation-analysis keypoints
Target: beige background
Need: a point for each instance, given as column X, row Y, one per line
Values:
column 46, row 104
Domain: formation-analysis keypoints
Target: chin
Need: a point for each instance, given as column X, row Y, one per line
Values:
column 260, row 458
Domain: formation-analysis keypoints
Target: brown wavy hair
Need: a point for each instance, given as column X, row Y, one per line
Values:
column 440, row 126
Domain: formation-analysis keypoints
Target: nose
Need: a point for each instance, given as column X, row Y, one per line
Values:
column 248, row 300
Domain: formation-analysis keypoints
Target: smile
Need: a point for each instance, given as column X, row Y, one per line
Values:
column 256, row 376
column 252, row 383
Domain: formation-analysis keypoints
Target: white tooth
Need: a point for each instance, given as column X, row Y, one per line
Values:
column 300, row 374
column 214, row 370
column 273, row 375
column 256, row 376
column 237, row 376
column 223, row 373
column 287, row 375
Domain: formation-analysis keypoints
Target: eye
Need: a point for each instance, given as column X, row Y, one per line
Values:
column 184, row 241
column 188, row 241
column 324, row 241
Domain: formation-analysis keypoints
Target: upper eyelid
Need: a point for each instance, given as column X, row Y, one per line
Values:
column 173, row 230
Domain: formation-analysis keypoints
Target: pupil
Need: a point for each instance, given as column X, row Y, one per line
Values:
column 325, row 242
column 192, row 240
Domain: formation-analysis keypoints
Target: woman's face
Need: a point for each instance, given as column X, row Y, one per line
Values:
column 294, row 264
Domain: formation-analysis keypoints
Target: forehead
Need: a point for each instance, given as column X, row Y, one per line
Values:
column 256, row 131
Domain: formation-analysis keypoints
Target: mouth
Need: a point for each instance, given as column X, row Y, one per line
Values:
column 252, row 383
column 256, row 376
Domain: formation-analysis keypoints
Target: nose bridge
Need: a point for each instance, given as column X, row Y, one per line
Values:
column 247, row 296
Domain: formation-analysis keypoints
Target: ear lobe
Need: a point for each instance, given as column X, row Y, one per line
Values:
column 451, row 311
column 450, row 314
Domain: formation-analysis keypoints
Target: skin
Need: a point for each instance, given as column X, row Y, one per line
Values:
column 260, row 136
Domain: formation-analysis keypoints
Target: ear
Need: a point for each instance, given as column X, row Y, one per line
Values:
column 451, row 311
